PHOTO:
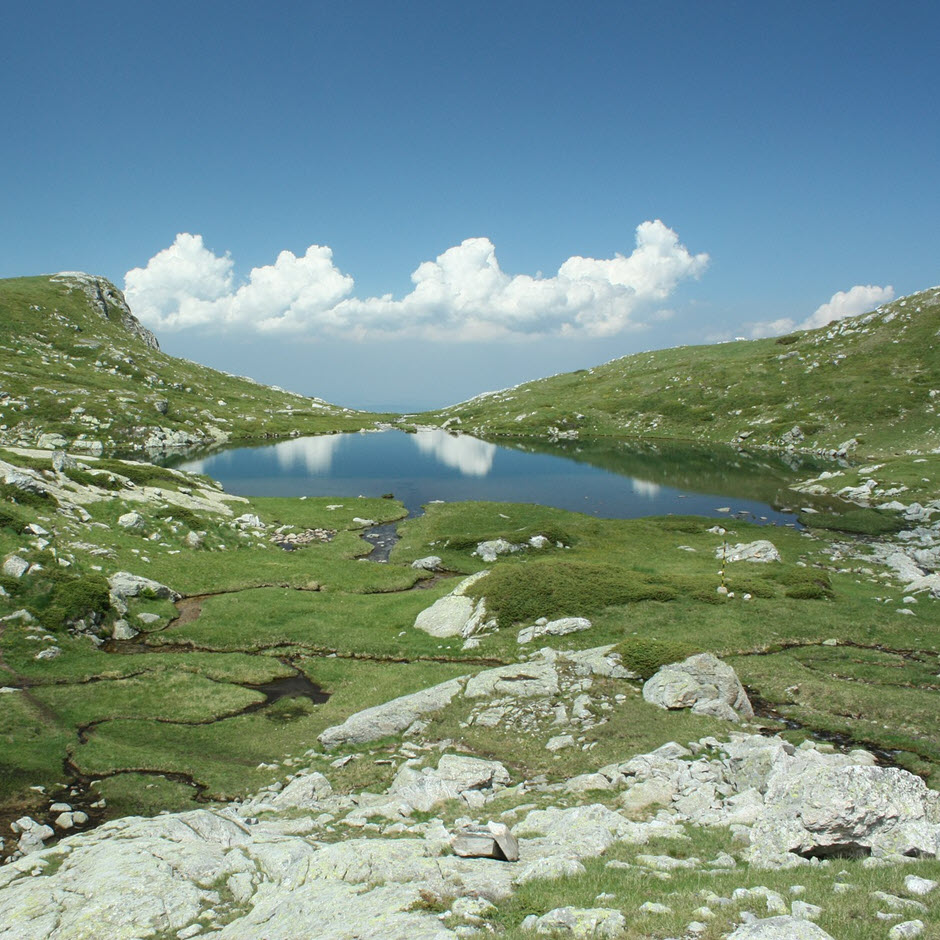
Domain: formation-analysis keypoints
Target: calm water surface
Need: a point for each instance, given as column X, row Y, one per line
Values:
column 610, row 479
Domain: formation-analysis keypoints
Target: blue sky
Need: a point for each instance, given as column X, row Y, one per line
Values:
column 796, row 145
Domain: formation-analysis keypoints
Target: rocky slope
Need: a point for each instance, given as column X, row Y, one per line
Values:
column 454, row 838
column 77, row 369
column 868, row 384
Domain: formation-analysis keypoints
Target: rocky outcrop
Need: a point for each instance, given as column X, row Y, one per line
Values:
column 107, row 301
column 813, row 809
column 703, row 683
column 287, row 874
column 456, row 614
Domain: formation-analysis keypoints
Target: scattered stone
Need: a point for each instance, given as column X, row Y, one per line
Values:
column 428, row 563
column 122, row 630
column 581, row 923
column 51, row 652
column 805, row 911
column 560, row 742
column 919, row 886
column 22, row 615
column 15, row 567
column 132, row 520
column 654, row 907
column 909, row 928
column 560, row 627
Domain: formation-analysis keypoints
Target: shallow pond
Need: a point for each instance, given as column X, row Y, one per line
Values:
column 605, row 478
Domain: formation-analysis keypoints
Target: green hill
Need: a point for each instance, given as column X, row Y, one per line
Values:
column 874, row 378
column 76, row 363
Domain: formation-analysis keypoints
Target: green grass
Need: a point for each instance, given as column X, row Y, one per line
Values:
column 685, row 892
column 864, row 377
column 61, row 355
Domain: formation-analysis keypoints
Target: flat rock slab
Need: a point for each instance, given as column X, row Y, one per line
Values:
column 391, row 717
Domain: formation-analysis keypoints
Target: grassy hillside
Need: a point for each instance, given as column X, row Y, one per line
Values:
column 875, row 378
column 74, row 362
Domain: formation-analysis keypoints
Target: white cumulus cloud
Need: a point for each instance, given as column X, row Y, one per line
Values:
column 462, row 294
column 849, row 303
column 842, row 304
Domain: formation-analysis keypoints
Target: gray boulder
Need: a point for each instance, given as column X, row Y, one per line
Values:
column 429, row 563
column 122, row 630
column 455, row 614
column 816, row 809
column 123, row 585
column 303, row 792
column 522, row 680
column 447, row 616
column 131, row 520
column 15, row 567
column 494, row 840
column 51, row 441
column 703, row 683
column 780, row 928
column 488, row 551
column 581, row 923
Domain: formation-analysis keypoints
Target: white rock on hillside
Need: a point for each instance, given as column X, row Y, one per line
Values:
column 703, row 683
column 15, row 567
column 545, row 627
column 760, row 550
column 123, row 585
column 391, row 717
column 456, row 614
column 488, row 551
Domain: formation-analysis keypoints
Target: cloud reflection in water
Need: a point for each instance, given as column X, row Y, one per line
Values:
column 471, row 457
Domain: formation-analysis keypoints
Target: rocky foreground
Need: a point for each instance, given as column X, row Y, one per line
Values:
column 430, row 857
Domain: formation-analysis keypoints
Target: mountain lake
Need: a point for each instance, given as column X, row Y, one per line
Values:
column 612, row 479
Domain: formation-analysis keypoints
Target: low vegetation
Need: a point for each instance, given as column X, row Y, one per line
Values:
column 873, row 378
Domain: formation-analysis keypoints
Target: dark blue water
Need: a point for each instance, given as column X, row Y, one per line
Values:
column 611, row 480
